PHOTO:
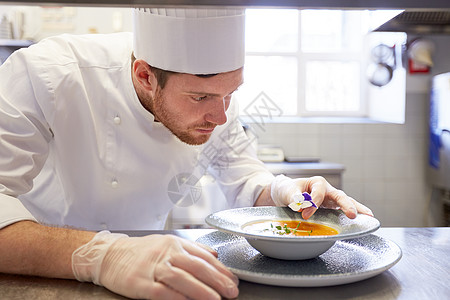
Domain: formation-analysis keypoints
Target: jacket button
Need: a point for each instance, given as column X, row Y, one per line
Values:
column 117, row 120
column 114, row 183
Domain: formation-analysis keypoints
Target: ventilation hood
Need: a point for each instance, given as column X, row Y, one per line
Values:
column 419, row 22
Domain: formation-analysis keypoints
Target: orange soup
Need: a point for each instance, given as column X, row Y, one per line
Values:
column 289, row 227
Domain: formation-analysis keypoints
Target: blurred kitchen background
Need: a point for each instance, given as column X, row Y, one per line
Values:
column 326, row 93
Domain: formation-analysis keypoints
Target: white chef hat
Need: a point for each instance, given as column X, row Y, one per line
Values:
column 190, row 40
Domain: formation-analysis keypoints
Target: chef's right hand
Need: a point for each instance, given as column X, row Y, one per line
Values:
column 153, row 267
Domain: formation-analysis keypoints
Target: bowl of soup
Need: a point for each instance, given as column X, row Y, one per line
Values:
column 281, row 233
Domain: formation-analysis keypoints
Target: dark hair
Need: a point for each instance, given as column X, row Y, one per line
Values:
column 163, row 75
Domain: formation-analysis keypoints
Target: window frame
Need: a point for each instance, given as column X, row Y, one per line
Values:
column 302, row 57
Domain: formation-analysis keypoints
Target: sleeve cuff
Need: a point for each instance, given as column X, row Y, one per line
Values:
column 12, row 211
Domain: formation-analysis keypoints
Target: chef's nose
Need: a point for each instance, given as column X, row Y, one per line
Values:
column 217, row 115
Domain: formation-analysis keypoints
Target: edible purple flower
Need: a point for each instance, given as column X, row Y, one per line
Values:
column 309, row 198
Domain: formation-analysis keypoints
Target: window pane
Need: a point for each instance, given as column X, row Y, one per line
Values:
column 276, row 77
column 332, row 86
column 330, row 30
column 271, row 30
column 308, row 62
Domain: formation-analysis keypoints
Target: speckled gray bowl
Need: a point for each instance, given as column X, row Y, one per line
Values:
column 291, row 247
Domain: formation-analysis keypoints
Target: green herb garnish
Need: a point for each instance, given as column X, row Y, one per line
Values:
column 286, row 229
column 282, row 230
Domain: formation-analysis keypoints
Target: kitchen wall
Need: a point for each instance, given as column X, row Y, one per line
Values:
column 385, row 163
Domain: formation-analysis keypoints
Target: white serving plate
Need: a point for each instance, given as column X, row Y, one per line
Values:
column 291, row 247
column 347, row 261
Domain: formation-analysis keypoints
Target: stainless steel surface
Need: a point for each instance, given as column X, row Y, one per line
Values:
column 332, row 172
column 15, row 43
column 419, row 22
column 381, row 4
column 422, row 273
column 313, row 168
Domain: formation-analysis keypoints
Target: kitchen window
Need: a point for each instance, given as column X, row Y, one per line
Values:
column 310, row 63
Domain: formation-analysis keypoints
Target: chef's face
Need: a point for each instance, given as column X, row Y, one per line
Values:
column 191, row 106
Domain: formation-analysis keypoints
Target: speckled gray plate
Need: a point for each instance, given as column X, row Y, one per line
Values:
column 291, row 247
column 347, row 261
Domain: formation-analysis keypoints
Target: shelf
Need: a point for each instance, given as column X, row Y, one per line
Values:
column 15, row 43
column 341, row 4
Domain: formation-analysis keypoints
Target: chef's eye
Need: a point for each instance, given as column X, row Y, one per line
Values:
column 199, row 98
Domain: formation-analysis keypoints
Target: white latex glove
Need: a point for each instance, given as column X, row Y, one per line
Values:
column 153, row 267
column 285, row 191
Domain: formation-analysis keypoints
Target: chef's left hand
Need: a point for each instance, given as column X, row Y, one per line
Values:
column 323, row 194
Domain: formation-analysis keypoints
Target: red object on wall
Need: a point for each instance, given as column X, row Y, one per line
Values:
column 415, row 67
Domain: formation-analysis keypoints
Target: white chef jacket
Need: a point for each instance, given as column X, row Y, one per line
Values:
column 78, row 149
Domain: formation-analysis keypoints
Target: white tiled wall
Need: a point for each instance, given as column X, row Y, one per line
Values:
column 385, row 163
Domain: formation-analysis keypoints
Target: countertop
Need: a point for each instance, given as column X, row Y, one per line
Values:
column 332, row 172
column 422, row 273
column 308, row 168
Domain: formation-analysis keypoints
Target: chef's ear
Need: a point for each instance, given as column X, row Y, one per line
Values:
column 144, row 76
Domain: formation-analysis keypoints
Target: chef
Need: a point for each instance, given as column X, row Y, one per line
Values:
column 108, row 132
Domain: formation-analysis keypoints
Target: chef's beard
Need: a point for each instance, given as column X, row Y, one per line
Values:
column 174, row 121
